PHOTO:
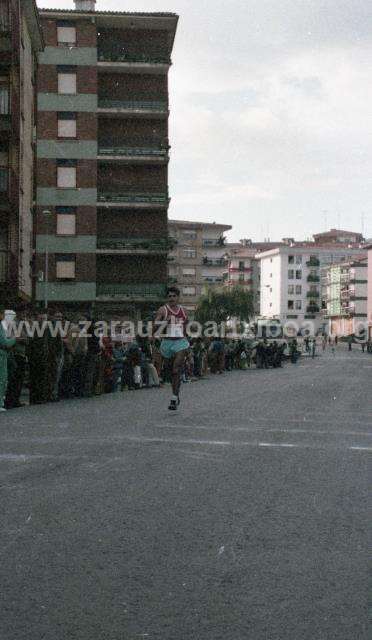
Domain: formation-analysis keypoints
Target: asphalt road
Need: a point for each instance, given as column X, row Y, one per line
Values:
column 242, row 517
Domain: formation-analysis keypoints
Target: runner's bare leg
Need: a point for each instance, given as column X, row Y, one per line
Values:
column 178, row 362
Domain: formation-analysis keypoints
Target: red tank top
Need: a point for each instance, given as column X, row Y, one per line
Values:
column 176, row 320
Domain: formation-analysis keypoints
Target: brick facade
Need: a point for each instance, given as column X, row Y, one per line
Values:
column 86, row 126
column 85, row 267
column 86, row 173
column 86, row 221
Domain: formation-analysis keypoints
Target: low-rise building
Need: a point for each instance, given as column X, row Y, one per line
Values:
column 198, row 258
column 20, row 42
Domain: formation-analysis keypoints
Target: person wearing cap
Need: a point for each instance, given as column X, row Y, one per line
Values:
column 5, row 345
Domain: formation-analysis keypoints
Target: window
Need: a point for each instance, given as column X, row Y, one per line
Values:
column 298, row 305
column 298, row 275
column 290, row 304
column 241, row 265
column 298, row 289
column 66, row 80
column 290, row 274
column 189, row 271
column 66, row 34
column 188, row 291
column 241, row 277
column 290, row 289
column 66, row 221
column 298, row 259
column 188, row 233
column 290, row 259
column 65, row 267
column 66, row 124
column 189, row 253
column 66, row 174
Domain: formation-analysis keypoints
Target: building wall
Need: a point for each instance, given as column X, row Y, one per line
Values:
column 97, row 177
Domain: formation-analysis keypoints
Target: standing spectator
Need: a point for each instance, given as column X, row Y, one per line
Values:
column 313, row 348
column 5, row 345
column 92, row 361
column 79, row 351
column 118, row 351
column 55, row 355
column 107, row 364
column 37, row 353
column 16, row 374
column 350, row 342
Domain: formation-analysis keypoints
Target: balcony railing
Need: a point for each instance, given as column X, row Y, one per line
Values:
column 313, row 294
column 135, row 244
column 313, row 262
column 121, row 56
column 133, row 198
column 135, row 152
column 133, row 105
column 219, row 242
column 130, row 291
column 4, row 179
column 3, row 265
column 312, row 278
column 313, row 308
column 212, row 280
column 218, row 262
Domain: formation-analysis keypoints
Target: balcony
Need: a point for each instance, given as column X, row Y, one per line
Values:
column 313, row 262
column 116, row 61
column 134, row 154
column 3, row 266
column 212, row 280
column 313, row 294
column 312, row 278
column 154, row 200
column 312, row 308
column 4, row 18
column 133, row 108
column 217, row 262
column 111, row 291
column 218, row 242
column 136, row 246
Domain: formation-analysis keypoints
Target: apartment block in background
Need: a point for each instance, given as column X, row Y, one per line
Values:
column 198, row 259
column 291, row 280
column 346, row 296
column 20, row 42
column 103, row 154
column 243, row 267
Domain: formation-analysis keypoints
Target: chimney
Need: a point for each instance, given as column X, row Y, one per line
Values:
column 85, row 5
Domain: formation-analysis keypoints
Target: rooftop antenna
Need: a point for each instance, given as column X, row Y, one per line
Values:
column 362, row 222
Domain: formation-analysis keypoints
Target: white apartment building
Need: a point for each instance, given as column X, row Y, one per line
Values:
column 291, row 281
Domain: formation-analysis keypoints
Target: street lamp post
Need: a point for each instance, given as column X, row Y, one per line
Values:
column 46, row 213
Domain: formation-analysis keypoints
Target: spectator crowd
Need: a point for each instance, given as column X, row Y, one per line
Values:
column 53, row 367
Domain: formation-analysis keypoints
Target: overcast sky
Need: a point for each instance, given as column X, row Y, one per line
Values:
column 271, row 124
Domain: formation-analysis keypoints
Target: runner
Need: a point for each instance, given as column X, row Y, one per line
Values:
column 174, row 344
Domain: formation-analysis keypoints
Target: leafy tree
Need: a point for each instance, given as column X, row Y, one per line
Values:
column 220, row 306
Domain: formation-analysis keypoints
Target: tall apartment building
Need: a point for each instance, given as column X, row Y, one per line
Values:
column 20, row 41
column 103, row 152
column 198, row 259
column 291, row 280
column 346, row 296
